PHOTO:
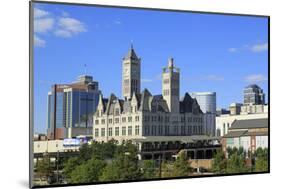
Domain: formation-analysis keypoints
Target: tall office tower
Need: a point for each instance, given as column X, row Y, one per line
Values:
column 207, row 103
column 171, row 86
column 253, row 94
column 71, row 108
column 131, row 71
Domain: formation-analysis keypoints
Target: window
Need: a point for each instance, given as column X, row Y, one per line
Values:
column 166, row 81
column 160, row 130
column 189, row 129
column 167, row 132
column 176, row 130
column 103, row 132
column 110, row 131
column 116, row 111
column 129, row 130
column 137, row 130
column 153, row 129
column 116, row 131
column 123, row 119
column 96, row 132
column 146, row 129
column 103, row 121
column 123, row 131
column 146, row 118
column 110, row 121
column 137, row 118
column 166, row 92
column 129, row 119
column 97, row 122
column 116, row 120
column 223, row 128
column 182, row 130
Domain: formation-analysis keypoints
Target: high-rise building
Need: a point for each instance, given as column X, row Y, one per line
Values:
column 207, row 102
column 253, row 95
column 71, row 108
column 131, row 74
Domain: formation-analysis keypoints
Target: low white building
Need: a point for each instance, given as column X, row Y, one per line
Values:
column 243, row 112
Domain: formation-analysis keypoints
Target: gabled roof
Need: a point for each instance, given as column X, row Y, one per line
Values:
column 189, row 105
column 147, row 102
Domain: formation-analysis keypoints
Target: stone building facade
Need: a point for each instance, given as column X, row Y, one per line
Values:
column 141, row 114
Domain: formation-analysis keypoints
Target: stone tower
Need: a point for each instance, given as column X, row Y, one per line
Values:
column 171, row 86
column 131, row 74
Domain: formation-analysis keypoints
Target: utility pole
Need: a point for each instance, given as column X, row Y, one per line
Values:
column 160, row 166
column 58, row 166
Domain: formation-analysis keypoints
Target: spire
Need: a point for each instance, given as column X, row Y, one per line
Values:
column 171, row 63
column 131, row 54
column 132, row 47
column 100, row 100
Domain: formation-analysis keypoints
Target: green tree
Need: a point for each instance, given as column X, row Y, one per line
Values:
column 181, row 166
column 69, row 166
column 236, row 164
column 261, row 163
column 44, row 168
column 124, row 165
column 148, row 168
column 219, row 163
column 88, row 172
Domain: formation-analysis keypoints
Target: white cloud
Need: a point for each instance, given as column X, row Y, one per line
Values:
column 43, row 25
column 65, row 14
column 118, row 22
column 67, row 27
column 255, row 78
column 214, row 78
column 143, row 80
column 38, row 42
column 63, row 33
column 259, row 47
column 39, row 13
column 232, row 50
column 253, row 48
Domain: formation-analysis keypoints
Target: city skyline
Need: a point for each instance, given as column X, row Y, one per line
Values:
column 66, row 38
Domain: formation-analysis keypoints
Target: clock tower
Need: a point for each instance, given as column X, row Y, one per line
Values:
column 130, row 74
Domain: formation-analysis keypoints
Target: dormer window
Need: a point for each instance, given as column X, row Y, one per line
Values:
column 117, row 111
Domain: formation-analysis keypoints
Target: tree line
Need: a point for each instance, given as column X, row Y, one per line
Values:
column 236, row 162
column 103, row 162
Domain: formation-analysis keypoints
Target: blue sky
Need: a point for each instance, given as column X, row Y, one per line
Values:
column 214, row 52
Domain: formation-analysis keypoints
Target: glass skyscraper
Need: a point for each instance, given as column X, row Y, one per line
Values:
column 253, row 94
column 71, row 108
column 207, row 102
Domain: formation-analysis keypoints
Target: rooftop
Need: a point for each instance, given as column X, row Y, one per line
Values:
column 249, row 124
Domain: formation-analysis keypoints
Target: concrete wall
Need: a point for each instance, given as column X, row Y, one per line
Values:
column 50, row 146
